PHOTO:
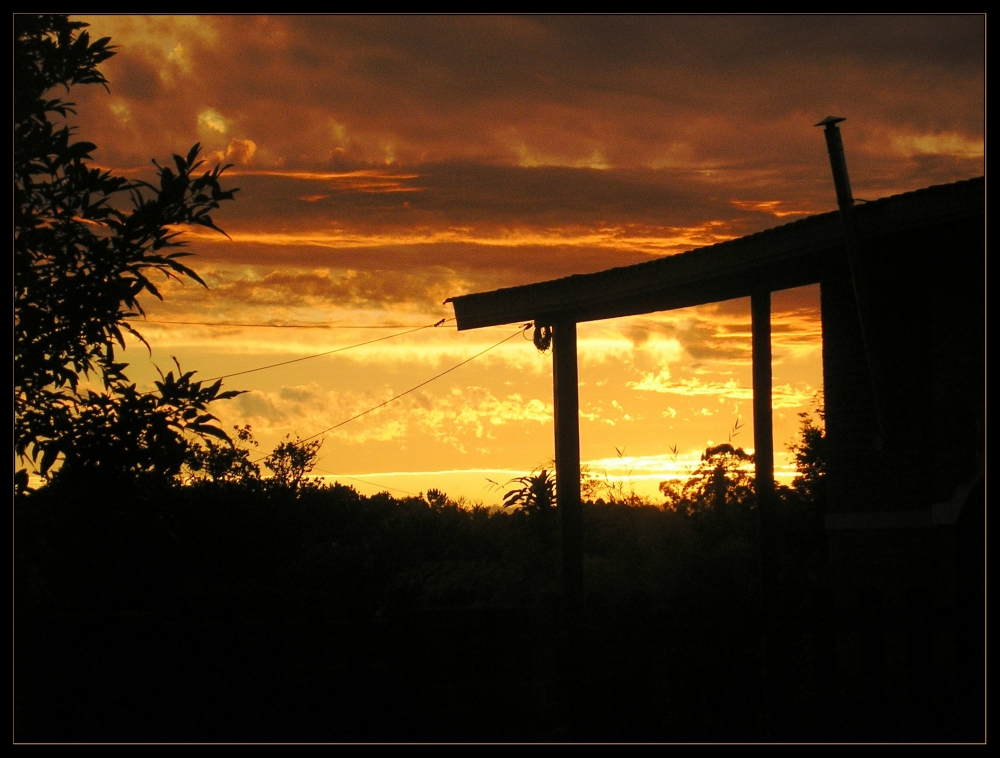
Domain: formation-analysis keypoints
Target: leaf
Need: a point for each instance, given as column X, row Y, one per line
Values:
column 49, row 455
column 21, row 480
column 181, row 165
column 213, row 431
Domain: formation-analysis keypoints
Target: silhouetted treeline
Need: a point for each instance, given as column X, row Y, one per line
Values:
column 331, row 553
column 244, row 612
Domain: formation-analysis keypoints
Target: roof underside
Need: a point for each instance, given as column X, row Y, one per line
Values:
column 792, row 255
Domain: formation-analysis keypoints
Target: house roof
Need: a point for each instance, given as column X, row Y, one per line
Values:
column 791, row 255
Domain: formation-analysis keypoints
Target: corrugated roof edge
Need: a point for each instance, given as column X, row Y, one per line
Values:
column 928, row 194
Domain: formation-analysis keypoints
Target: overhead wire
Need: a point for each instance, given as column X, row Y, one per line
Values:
column 327, row 352
column 279, row 326
column 418, row 386
column 424, row 383
column 316, row 355
column 412, row 389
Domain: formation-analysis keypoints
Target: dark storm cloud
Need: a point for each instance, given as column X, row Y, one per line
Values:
column 511, row 224
column 474, row 267
column 492, row 196
column 632, row 91
column 344, row 289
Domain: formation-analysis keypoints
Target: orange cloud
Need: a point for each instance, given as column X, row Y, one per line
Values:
column 767, row 206
column 372, row 181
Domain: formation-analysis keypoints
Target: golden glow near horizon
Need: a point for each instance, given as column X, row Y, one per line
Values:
column 675, row 239
column 388, row 163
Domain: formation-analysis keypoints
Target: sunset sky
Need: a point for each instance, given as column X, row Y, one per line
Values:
column 388, row 163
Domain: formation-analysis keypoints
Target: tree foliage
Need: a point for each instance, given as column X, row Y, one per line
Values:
column 123, row 434
column 86, row 243
column 534, row 493
column 597, row 485
column 723, row 478
column 219, row 462
column 810, row 457
column 291, row 460
column 534, row 497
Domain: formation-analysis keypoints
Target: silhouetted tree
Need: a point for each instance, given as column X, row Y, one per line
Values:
column 723, row 478
column 80, row 264
column 125, row 435
column 810, row 457
column 291, row 460
column 535, row 493
column 533, row 496
column 220, row 462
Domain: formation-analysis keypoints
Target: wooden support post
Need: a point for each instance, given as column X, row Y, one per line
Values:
column 763, row 431
column 566, row 396
column 763, row 442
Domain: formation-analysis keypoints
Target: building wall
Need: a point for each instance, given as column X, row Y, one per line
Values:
column 927, row 306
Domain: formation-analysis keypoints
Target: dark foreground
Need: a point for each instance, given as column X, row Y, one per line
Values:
column 327, row 617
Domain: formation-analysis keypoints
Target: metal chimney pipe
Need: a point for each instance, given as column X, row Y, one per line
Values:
column 845, row 200
column 838, row 162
